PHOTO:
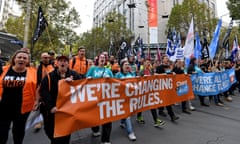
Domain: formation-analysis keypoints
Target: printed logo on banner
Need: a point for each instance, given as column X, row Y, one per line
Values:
column 182, row 90
column 232, row 76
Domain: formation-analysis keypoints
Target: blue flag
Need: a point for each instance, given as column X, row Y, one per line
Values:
column 187, row 61
column 198, row 48
column 214, row 42
column 170, row 49
column 173, row 42
column 234, row 49
column 139, row 48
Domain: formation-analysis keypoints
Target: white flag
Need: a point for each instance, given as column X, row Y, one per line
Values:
column 189, row 43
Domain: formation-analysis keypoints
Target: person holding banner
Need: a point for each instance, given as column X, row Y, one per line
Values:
column 194, row 69
column 217, row 68
column 99, row 71
column 125, row 72
column 165, row 68
column 49, row 93
column 17, row 96
column 179, row 69
column 148, row 71
column 228, row 65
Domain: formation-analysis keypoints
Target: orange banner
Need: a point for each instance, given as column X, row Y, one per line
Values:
column 152, row 13
column 91, row 102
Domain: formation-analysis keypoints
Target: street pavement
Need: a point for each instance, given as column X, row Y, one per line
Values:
column 206, row 125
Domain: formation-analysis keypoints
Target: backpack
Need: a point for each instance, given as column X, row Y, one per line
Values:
column 74, row 62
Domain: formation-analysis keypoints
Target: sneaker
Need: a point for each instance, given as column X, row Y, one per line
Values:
column 220, row 101
column 229, row 99
column 96, row 134
column 140, row 120
column 186, row 111
column 122, row 125
column 174, row 118
column 159, row 123
column 132, row 137
column 192, row 108
column 206, row 105
column 219, row 104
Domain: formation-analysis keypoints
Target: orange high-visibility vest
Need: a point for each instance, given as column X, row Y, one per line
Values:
column 46, row 70
column 29, row 88
column 80, row 66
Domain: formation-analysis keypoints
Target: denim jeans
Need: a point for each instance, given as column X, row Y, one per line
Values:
column 128, row 124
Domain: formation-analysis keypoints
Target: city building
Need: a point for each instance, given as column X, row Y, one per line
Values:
column 7, row 9
column 149, row 25
column 8, row 42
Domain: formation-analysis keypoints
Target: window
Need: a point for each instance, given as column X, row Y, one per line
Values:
column 213, row 6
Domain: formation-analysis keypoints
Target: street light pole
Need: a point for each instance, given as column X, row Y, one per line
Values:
column 131, row 7
column 27, row 22
column 148, row 32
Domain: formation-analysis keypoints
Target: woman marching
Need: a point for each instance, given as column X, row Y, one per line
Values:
column 99, row 71
column 17, row 96
column 126, row 73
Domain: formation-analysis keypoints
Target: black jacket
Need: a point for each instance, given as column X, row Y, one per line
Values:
column 49, row 97
column 178, row 70
column 161, row 69
column 39, row 72
column 190, row 69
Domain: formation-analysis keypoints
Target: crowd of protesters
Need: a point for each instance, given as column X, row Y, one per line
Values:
column 24, row 88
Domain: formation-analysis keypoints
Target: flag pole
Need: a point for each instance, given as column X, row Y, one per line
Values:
column 27, row 22
column 49, row 37
column 31, row 50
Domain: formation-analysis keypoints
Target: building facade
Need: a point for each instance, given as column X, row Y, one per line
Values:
column 145, row 18
column 7, row 9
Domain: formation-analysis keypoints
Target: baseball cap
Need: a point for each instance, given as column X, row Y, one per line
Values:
column 62, row 57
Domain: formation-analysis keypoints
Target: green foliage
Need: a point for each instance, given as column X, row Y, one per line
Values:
column 234, row 9
column 62, row 19
column 234, row 33
column 16, row 26
column 98, row 39
column 181, row 16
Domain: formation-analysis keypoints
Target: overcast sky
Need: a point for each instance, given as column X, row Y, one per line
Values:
column 85, row 9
